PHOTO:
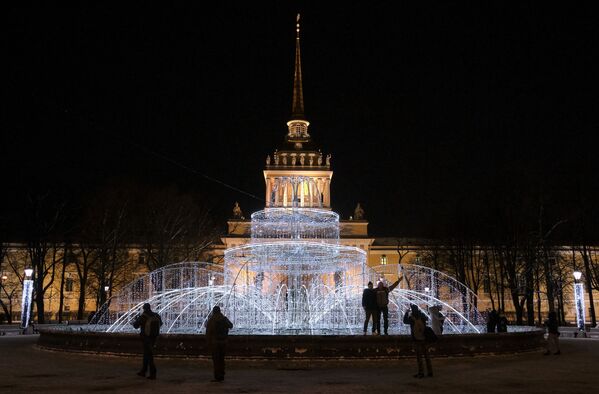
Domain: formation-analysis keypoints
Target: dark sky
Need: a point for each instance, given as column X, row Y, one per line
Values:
column 435, row 113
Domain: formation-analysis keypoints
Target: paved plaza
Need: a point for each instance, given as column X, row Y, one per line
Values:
column 26, row 368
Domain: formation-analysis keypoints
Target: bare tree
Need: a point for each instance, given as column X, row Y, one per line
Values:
column 67, row 258
column 8, row 285
column 591, row 270
column 43, row 218
column 111, row 252
column 174, row 228
column 509, row 255
column 83, row 263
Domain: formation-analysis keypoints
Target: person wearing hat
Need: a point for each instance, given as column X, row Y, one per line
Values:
column 149, row 324
column 217, row 331
column 371, row 308
column 417, row 321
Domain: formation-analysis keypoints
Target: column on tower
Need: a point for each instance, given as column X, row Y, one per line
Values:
column 327, row 194
column 305, row 194
column 319, row 193
column 268, row 192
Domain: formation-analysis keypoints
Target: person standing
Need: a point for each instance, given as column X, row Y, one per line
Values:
column 149, row 323
column 491, row 321
column 217, row 331
column 382, row 301
column 370, row 308
column 437, row 319
column 552, row 334
column 417, row 321
column 501, row 322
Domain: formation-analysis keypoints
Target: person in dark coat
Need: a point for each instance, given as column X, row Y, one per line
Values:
column 371, row 308
column 149, row 324
column 492, row 321
column 501, row 322
column 217, row 331
column 417, row 321
column 552, row 334
column 382, row 300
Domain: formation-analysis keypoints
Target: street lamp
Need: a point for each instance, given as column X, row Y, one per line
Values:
column 106, row 288
column 26, row 301
column 579, row 300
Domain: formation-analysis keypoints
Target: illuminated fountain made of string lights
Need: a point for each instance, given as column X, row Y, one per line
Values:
column 293, row 277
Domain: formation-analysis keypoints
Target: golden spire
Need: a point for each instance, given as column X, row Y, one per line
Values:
column 298, row 125
column 297, row 106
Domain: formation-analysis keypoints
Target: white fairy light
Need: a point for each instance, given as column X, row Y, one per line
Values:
column 293, row 277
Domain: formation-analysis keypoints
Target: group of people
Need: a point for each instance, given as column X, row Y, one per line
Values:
column 496, row 321
column 375, row 302
column 217, row 331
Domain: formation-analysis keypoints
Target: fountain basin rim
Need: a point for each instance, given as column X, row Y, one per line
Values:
column 294, row 347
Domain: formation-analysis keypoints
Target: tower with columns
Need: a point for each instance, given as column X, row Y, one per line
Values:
column 298, row 175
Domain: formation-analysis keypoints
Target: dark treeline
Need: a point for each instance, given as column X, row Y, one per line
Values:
column 94, row 237
column 520, row 248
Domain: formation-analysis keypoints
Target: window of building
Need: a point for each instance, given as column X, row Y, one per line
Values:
column 68, row 285
column 521, row 282
column 487, row 285
column 141, row 259
column 384, row 259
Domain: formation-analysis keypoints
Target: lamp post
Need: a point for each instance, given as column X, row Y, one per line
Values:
column 579, row 300
column 106, row 290
column 26, row 301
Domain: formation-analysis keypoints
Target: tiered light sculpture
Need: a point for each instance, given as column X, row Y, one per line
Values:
column 293, row 277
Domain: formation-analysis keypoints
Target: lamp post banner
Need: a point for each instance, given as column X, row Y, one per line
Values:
column 26, row 302
column 579, row 300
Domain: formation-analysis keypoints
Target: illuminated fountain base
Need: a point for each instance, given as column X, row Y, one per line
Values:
column 293, row 277
column 183, row 294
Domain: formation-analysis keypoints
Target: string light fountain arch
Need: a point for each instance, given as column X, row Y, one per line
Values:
column 293, row 277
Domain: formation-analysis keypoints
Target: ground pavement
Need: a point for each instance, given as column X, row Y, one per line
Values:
column 25, row 368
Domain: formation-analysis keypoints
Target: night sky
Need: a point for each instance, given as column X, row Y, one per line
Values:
column 437, row 115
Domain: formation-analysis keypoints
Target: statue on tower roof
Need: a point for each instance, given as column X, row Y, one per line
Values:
column 237, row 213
column 358, row 213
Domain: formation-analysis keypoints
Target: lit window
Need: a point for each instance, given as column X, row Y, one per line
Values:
column 68, row 285
column 487, row 285
column 384, row 259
